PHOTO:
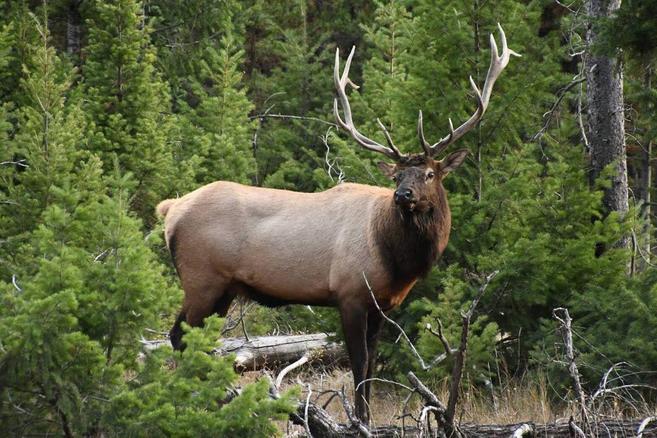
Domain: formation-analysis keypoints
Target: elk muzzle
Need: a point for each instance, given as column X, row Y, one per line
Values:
column 404, row 197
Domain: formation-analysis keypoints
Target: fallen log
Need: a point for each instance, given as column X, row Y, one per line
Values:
column 321, row 425
column 272, row 351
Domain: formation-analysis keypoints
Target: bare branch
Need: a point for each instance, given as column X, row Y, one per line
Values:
column 305, row 411
column 290, row 367
column 561, row 94
column 441, row 336
column 566, row 323
column 20, row 163
column 429, row 397
column 378, row 379
column 331, row 165
column 15, row 283
column 291, row 117
column 350, row 414
column 575, row 429
column 391, row 321
column 459, row 362
column 642, row 426
column 423, row 418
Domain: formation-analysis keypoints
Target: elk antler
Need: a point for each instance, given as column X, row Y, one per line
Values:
column 348, row 124
column 497, row 64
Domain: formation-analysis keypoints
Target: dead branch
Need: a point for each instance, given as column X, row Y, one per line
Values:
column 460, row 355
column 439, row 334
column 575, row 430
column 20, row 163
column 643, row 425
column 287, row 369
column 305, row 411
column 332, row 164
column 444, row 415
column 549, row 114
column 292, row 117
column 393, row 322
column 525, row 429
column 429, row 397
column 321, row 425
column 566, row 324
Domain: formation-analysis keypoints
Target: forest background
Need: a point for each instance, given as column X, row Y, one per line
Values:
column 108, row 107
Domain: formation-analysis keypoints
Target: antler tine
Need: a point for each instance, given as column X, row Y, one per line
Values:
column 388, row 138
column 348, row 124
column 497, row 64
column 420, row 133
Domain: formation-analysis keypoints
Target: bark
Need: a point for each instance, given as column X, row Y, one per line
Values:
column 606, row 130
column 645, row 185
column 273, row 351
column 73, row 28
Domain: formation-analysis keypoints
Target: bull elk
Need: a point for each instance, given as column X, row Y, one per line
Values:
column 280, row 247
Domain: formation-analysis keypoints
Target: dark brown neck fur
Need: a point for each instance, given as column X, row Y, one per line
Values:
column 410, row 242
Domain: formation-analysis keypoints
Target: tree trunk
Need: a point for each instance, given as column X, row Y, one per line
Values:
column 73, row 28
column 606, row 130
column 645, row 185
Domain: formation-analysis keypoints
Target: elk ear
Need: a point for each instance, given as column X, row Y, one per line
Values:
column 453, row 160
column 387, row 169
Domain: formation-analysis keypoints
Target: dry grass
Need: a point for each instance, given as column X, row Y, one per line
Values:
column 523, row 401
column 518, row 400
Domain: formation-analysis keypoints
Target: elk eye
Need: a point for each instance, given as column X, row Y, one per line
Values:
column 430, row 175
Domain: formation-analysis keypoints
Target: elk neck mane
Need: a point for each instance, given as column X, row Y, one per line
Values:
column 409, row 243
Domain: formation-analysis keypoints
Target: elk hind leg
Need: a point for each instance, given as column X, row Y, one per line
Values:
column 199, row 303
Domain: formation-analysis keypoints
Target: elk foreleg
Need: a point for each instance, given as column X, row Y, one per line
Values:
column 354, row 326
column 374, row 324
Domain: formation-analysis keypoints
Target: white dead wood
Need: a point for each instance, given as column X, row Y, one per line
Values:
column 279, row 379
column 444, row 415
column 561, row 314
column 642, row 426
column 305, row 411
column 272, row 351
column 523, row 430
column 575, row 429
column 14, row 281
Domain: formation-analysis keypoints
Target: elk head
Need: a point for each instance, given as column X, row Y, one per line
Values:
column 419, row 176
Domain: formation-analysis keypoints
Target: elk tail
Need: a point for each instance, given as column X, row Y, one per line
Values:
column 164, row 206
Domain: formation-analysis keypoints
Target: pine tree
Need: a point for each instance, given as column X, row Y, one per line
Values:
column 127, row 103
column 218, row 128
column 190, row 398
column 48, row 367
column 43, row 149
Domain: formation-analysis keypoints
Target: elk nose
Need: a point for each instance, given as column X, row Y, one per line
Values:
column 403, row 196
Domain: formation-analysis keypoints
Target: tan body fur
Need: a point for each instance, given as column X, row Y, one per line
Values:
column 303, row 248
